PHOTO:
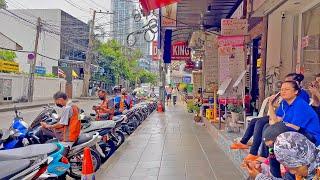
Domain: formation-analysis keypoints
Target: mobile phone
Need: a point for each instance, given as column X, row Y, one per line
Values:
column 276, row 98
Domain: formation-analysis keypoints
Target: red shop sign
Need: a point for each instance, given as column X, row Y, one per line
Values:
column 155, row 51
column 149, row 5
column 180, row 51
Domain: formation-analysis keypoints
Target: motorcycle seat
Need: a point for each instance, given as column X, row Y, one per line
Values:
column 27, row 152
column 98, row 125
column 12, row 167
column 83, row 138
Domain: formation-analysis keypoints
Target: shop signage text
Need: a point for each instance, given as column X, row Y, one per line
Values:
column 181, row 51
column 155, row 51
column 8, row 66
column 233, row 27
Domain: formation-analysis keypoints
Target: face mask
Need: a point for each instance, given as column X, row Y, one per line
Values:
column 102, row 98
column 59, row 105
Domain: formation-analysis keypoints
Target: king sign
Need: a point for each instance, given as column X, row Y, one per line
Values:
column 180, row 51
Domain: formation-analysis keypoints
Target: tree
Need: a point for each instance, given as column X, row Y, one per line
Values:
column 7, row 55
column 3, row 4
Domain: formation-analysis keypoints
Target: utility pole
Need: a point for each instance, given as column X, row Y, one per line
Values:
column 87, row 64
column 33, row 63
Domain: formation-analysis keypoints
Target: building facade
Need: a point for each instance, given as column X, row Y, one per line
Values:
column 62, row 36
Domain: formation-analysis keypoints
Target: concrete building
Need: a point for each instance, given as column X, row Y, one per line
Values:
column 62, row 35
column 124, row 24
column 6, row 42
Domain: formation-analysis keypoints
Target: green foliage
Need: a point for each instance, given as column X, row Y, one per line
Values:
column 7, row 55
column 121, row 62
column 3, row 4
column 50, row 75
column 235, row 108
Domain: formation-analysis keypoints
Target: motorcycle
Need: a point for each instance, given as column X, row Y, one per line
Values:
column 109, row 129
column 40, row 161
column 25, row 135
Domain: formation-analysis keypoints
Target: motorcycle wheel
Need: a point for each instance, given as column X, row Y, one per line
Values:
column 76, row 164
column 108, row 149
column 119, row 138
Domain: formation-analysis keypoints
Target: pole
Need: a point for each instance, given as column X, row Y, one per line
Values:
column 33, row 64
column 87, row 64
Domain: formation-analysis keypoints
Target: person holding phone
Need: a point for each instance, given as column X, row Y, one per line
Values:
column 314, row 89
column 256, row 126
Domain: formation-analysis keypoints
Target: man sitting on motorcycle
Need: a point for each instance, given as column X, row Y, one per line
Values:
column 124, row 102
column 67, row 129
column 105, row 108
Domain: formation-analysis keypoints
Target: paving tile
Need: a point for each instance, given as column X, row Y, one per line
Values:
column 146, row 171
column 144, row 178
column 172, row 171
column 149, row 164
column 172, row 178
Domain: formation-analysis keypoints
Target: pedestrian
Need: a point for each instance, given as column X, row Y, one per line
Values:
column 174, row 95
column 90, row 89
column 169, row 94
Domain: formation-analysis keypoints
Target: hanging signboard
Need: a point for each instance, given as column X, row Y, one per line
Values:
column 233, row 27
column 9, row 66
column 169, row 16
column 155, row 51
column 40, row 70
column 180, row 51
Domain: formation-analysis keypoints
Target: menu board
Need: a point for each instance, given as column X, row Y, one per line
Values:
column 231, row 53
column 232, row 27
column 210, row 61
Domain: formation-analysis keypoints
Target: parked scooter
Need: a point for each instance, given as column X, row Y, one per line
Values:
column 25, row 135
column 40, row 161
column 109, row 129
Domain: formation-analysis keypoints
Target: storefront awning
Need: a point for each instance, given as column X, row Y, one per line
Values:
column 193, row 15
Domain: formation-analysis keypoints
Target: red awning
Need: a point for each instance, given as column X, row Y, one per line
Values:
column 149, row 5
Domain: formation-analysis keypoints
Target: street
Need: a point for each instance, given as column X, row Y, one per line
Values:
column 29, row 114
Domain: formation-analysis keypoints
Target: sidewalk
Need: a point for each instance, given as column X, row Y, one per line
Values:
column 169, row 146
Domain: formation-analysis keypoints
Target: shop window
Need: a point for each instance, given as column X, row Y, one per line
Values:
column 311, row 42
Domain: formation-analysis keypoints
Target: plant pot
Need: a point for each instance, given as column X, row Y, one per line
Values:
column 197, row 118
column 235, row 117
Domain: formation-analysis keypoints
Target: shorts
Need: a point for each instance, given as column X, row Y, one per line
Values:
column 168, row 96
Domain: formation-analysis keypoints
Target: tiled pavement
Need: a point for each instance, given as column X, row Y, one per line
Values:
column 169, row 146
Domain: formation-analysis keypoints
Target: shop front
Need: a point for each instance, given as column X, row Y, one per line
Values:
column 293, row 42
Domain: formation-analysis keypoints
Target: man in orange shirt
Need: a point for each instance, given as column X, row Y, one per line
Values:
column 105, row 108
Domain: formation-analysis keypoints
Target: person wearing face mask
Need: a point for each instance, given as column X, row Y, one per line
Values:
column 104, row 109
column 67, row 129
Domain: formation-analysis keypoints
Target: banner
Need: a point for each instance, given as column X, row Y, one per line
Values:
column 149, row 5
column 155, row 51
column 181, row 51
column 233, row 27
column 169, row 16
column 9, row 66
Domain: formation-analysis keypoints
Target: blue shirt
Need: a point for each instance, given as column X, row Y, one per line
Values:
column 304, row 95
column 300, row 114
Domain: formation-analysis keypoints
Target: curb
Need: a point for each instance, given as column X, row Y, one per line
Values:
column 28, row 106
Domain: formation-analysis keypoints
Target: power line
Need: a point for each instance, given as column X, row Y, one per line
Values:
column 76, row 6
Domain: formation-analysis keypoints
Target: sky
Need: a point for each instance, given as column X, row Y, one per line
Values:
column 82, row 9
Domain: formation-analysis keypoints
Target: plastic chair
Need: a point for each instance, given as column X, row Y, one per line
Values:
column 261, row 112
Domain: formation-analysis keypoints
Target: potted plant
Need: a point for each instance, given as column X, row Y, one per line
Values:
column 190, row 105
column 196, row 110
column 236, row 111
